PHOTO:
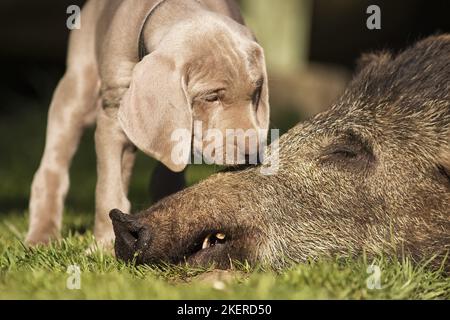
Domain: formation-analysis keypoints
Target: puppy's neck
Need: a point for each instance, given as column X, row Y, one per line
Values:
column 164, row 16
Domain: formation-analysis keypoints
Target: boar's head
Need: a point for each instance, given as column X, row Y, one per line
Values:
column 372, row 173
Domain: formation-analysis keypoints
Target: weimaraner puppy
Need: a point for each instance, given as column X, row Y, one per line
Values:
column 141, row 69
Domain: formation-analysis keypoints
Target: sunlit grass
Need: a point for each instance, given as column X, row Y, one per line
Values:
column 41, row 273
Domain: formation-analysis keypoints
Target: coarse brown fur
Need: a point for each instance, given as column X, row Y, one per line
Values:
column 370, row 174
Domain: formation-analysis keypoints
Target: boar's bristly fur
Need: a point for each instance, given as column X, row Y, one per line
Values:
column 370, row 174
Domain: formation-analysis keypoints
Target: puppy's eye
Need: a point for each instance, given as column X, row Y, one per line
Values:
column 212, row 97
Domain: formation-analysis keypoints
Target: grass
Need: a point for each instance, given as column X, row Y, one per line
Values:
column 41, row 273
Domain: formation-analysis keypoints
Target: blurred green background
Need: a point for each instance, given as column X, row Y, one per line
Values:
column 311, row 48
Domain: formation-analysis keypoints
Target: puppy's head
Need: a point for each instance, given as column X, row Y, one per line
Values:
column 204, row 89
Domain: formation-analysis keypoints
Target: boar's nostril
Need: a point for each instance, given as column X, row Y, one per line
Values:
column 132, row 236
column 143, row 239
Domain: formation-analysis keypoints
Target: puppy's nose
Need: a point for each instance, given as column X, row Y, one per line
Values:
column 132, row 236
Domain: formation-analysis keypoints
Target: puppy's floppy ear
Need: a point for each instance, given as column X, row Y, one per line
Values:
column 154, row 106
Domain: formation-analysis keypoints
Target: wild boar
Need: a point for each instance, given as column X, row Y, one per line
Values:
column 370, row 174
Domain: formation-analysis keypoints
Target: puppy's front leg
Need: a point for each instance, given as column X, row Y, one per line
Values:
column 70, row 112
column 115, row 156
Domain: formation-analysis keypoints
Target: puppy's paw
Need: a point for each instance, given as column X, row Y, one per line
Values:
column 40, row 238
column 102, row 245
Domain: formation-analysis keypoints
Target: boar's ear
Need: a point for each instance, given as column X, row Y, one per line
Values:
column 370, row 58
column 155, row 106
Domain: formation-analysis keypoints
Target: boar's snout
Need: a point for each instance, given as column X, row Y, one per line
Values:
column 132, row 236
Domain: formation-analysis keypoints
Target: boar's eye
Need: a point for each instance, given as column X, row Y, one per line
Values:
column 444, row 173
column 346, row 157
column 351, row 149
column 344, row 153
